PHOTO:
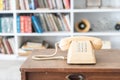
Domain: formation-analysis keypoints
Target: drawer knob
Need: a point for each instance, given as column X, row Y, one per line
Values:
column 75, row 77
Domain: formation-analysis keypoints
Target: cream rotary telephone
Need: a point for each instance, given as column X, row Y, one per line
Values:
column 80, row 50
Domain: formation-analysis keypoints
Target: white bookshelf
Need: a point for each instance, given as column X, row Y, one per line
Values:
column 53, row 37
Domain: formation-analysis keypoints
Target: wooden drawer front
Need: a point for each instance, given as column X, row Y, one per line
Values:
column 103, row 76
column 63, row 76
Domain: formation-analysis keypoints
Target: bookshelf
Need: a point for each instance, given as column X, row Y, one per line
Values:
column 76, row 13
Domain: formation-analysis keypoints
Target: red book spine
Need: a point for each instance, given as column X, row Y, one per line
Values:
column 22, row 24
column 67, row 4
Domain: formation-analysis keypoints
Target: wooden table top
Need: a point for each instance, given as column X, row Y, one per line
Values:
column 107, row 61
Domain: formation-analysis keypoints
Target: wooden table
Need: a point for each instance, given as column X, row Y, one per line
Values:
column 106, row 68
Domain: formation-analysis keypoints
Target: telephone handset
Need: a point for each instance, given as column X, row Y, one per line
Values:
column 80, row 50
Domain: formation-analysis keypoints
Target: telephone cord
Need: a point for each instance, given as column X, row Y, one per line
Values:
column 49, row 57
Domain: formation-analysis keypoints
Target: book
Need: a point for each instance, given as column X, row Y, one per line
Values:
column 0, row 26
column 7, row 46
column 67, row 21
column 57, row 23
column 48, row 22
column 1, row 5
column 36, row 25
column 2, row 48
column 43, row 22
column 17, row 5
column 34, row 45
column 54, row 4
column 59, row 4
column 66, row 4
column 29, row 24
column 21, row 3
column 46, row 3
column 36, row 4
column 18, row 24
column 41, row 4
column 11, row 5
column 33, row 4
column 27, row 5
column 11, row 41
column 22, row 18
column 53, row 22
column 50, row 4
column 63, row 22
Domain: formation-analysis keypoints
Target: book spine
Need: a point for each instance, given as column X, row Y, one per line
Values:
column 29, row 25
column 4, row 4
column 62, row 20
column 57, row 23
column 11, row 6
column 27, row 5
column 66, row 21
column 33, row 4
column 17, row 5
column 48, row 22
column 11, row 42
column 22, row 24
column 0, row 26
column 2, row 47
column 36, row 25
column 41, row 4
column 1, row 5
column 7, row 5
column 59, row 4
column 66, row 4
column 53, row 22
column 54, row 4
column 5, row 45
column 8, row 46
column 36, row 4
column 10, row 26
column 43, row 22
column 22, row 6
column 18, row 24
column 25, row 24
column 3, row 21
column 50, row 4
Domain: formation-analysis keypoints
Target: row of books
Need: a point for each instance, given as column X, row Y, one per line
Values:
column 45, row 22
column 6, row 5
column 6, row 24
column 7, row 45
column 38, row 4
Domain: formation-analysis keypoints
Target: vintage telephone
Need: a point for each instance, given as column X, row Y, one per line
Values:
column 80, row 50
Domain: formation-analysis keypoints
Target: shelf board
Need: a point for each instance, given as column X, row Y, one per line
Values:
column 7, row 11
column 96, row 10
column 7, row 34
column 45, row 34
column 43, row 11
column 97, row 34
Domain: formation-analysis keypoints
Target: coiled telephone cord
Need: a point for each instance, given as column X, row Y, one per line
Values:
column 49, row 57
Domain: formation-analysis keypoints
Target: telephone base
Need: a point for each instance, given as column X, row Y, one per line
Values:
column 82, row 63
column 81, row 52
